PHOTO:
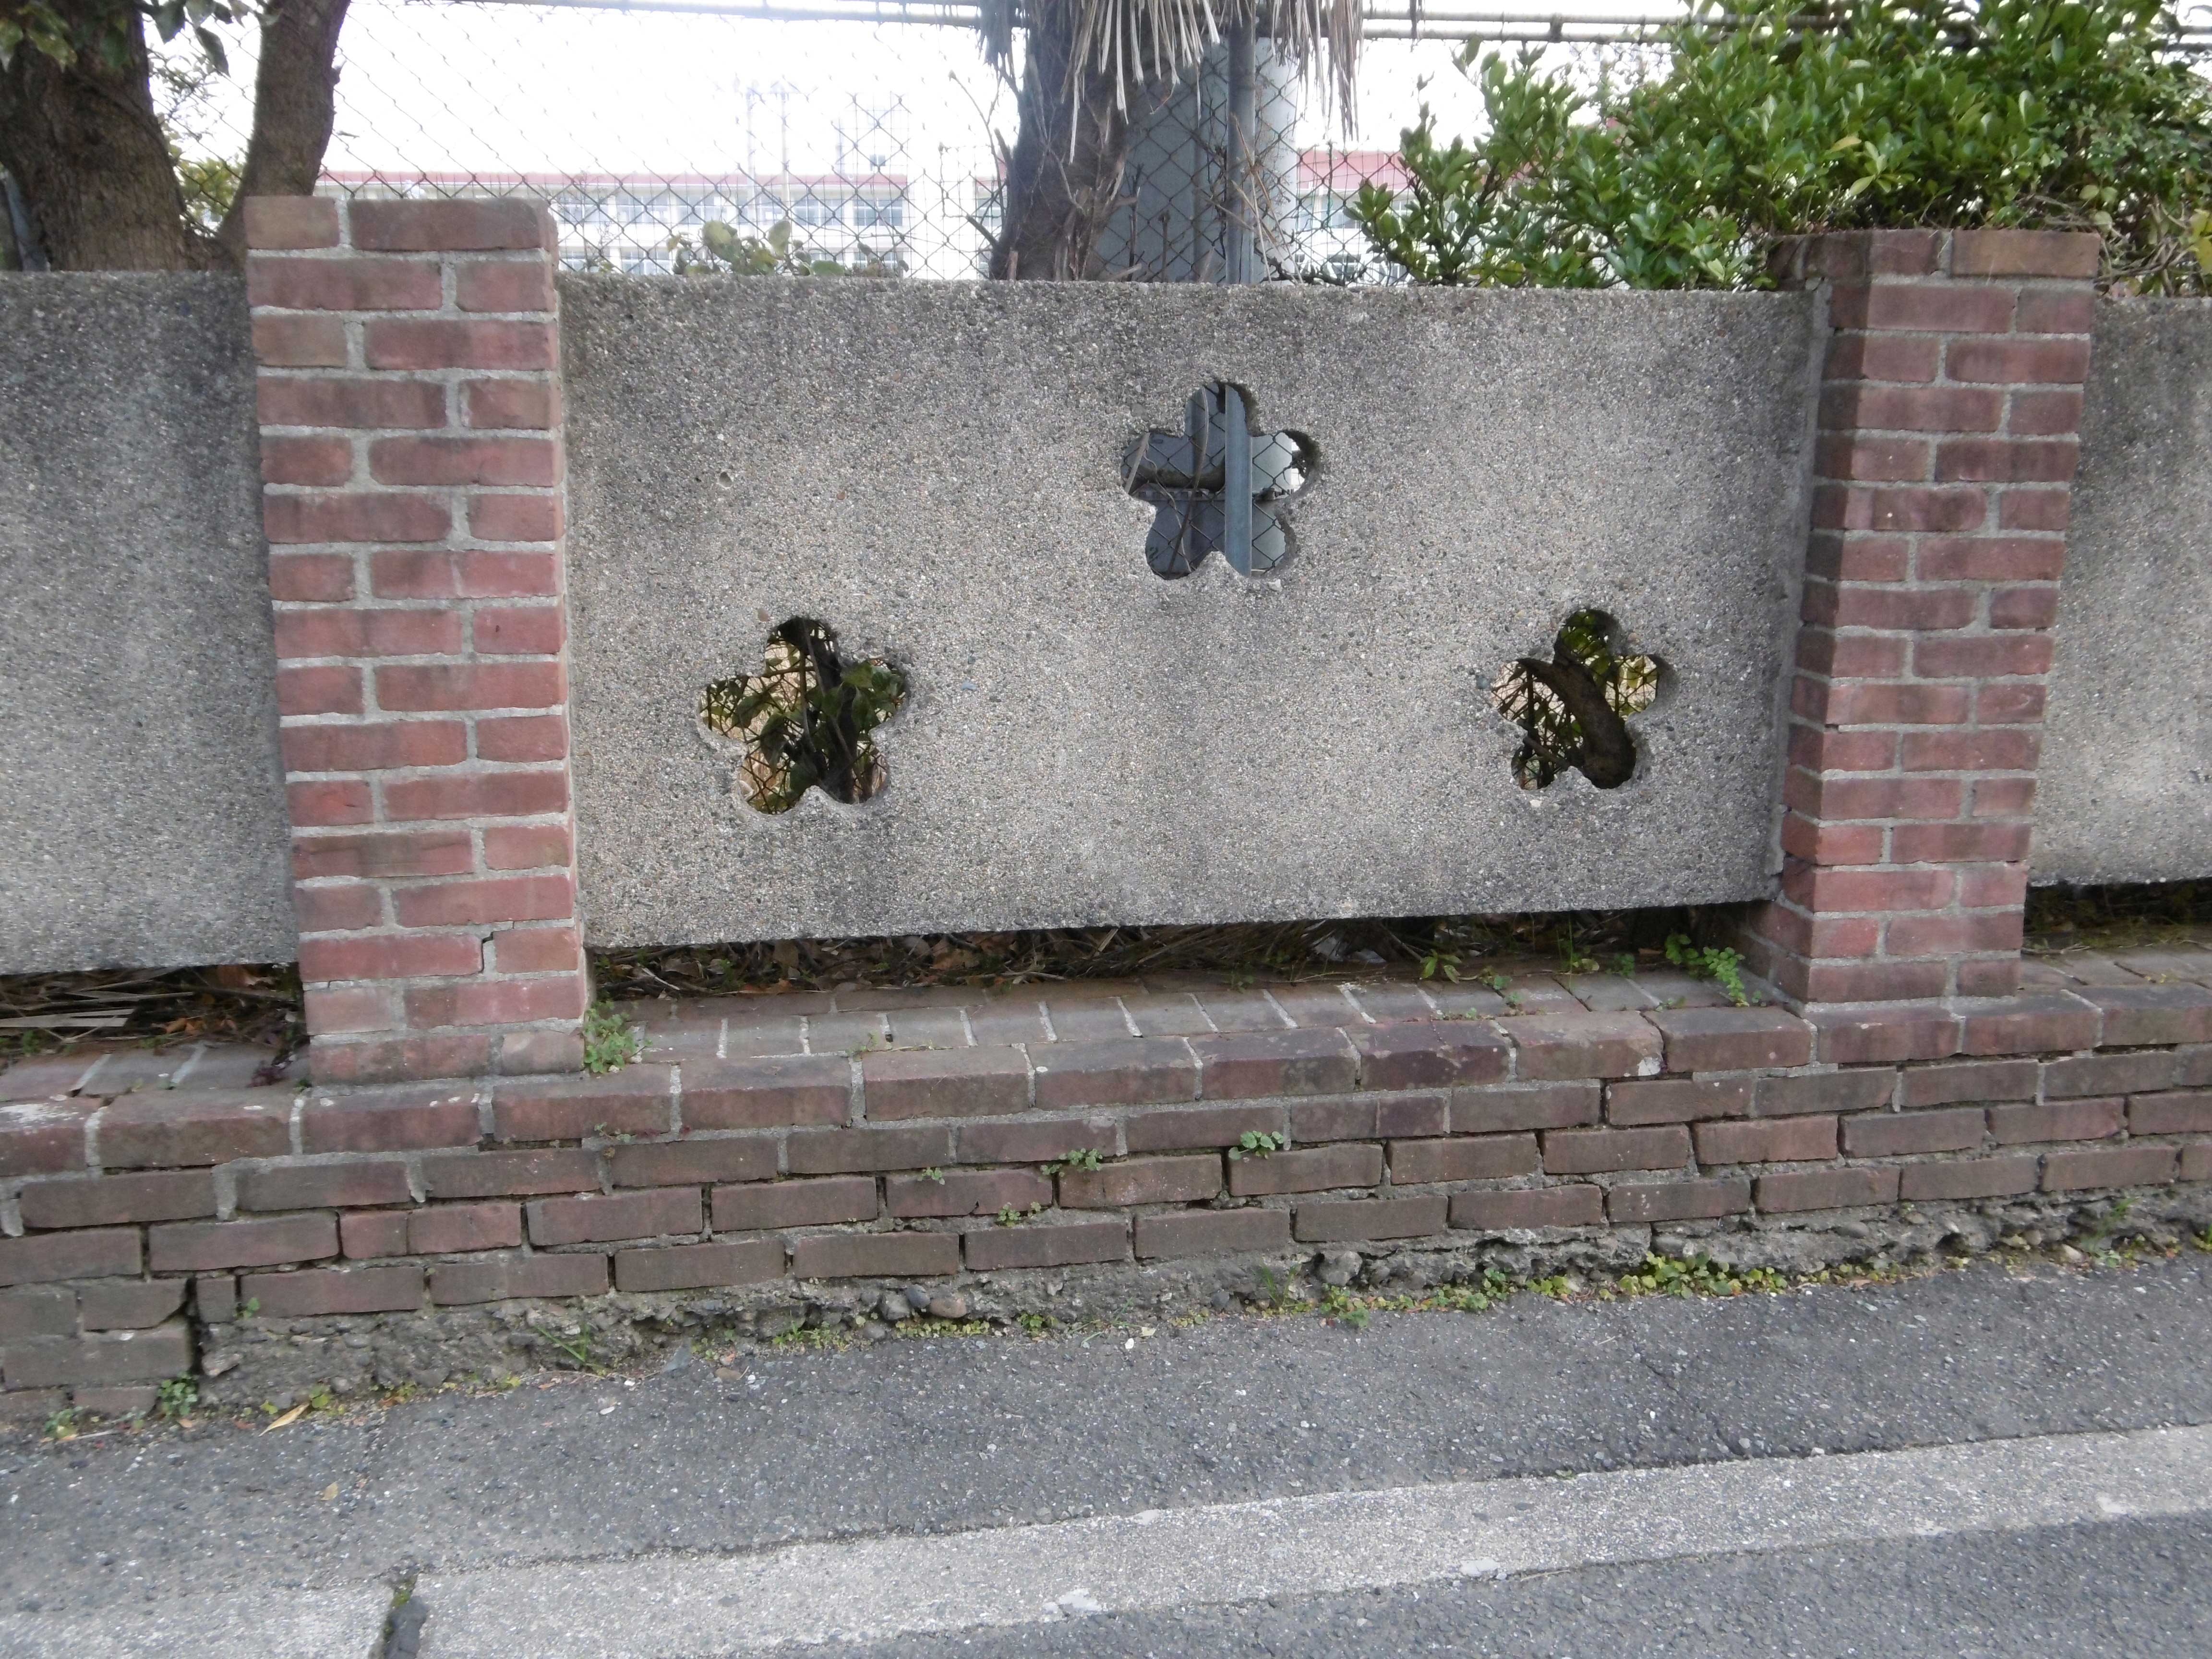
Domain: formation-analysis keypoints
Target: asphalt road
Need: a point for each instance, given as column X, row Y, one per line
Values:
column 918, row 1437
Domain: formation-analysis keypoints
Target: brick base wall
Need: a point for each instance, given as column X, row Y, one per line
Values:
column 809, row 1174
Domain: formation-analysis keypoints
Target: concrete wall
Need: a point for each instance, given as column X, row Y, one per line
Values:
column 2126, row 789
column 142, row 820
column 934, row 469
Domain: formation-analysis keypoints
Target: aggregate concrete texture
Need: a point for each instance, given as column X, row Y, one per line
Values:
column 141, row 807
column 2125, row 793
column 934, row 471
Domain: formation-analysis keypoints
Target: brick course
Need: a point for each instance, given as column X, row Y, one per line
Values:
column 316, row 1204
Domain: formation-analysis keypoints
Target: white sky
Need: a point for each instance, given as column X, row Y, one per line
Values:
column 433, row 85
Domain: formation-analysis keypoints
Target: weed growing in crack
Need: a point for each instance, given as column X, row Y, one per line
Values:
column 1340, row 1305
column 576, row 1344
column 611, row 1042
column 1721, row 966
column 1258, row 1143
column 1692, row 1275
column 1083, row 1157
column 177, row 1397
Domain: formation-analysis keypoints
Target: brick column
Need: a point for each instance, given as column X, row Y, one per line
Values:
column 1949, row 406
column 413, row 471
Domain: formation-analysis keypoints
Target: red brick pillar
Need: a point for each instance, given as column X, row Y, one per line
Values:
column 1949, row 411
column 413, row 471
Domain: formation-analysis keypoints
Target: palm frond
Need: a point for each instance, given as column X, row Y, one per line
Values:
column 1133, row 42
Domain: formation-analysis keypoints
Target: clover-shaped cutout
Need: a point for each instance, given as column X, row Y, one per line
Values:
column 805, row 720
column 1221, row 487
column 1571, row 709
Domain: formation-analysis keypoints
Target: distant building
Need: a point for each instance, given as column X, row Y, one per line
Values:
column 634, row 224
column 1327, row 238
column 880, row 222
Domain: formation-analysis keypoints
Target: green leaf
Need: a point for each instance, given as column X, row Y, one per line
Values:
column 1871, row 113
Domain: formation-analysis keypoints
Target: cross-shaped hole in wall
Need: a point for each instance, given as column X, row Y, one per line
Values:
column 1220, row 486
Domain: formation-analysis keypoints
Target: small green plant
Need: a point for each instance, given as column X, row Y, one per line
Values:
column 1008, row 1216
column 1573, row 959
column 1083, row 1157
column 1497, row 982
column 811, row 1337
column 721, row 252
column 253, row 1306
column 2203, row 1240
column 1035, row 1323
column 577, row 1346
column 1696, row 1274
column 2101, row 1229
column 1625, row 963
column 1556, row 1286
column 1259, row 1143
column 1440, row 964
column 611, row 1042
column 177, row 1397
column 1493, row 1286
column 1339, row 1304
column 934, row 1173
column 1721, row 966
column 62, row 1425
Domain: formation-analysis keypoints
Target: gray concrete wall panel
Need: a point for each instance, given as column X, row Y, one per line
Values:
column 2125, row 793
column 142, row 808
column 934, row 469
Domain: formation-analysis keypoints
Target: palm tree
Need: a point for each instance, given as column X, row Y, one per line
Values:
column 1086, row 64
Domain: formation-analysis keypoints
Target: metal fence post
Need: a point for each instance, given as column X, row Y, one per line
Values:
column 1241, row 253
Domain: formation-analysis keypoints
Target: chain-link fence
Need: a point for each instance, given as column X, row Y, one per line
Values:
column 668, row 133
column 863, row 136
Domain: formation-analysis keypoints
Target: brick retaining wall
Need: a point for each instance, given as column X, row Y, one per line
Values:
column 742, row 1154
column 451, row 1157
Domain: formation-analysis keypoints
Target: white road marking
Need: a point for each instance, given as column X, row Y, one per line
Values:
column 684, row 1607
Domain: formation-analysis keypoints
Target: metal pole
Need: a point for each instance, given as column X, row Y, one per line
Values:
column 1242, row 255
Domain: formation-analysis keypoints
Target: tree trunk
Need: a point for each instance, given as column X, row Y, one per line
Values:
column 93, row 163
column 295, row 102
column 1064, row 176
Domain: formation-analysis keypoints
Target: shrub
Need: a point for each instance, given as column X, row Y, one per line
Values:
column 1774, row 121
